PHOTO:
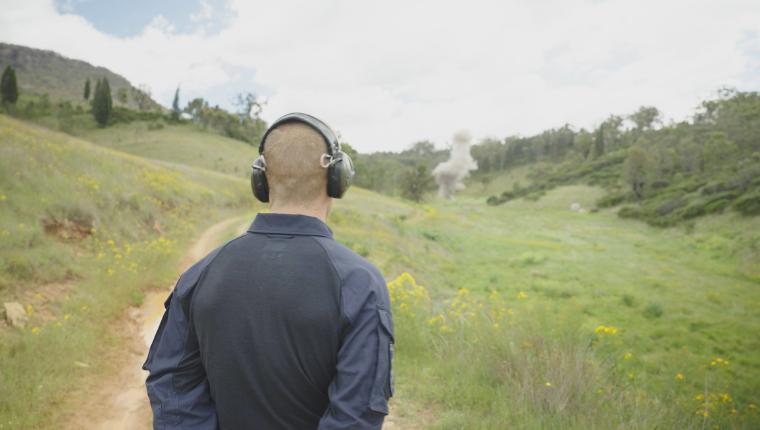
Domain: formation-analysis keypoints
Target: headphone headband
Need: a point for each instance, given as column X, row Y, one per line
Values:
column 333, row 146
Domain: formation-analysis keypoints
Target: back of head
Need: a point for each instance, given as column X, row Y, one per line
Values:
column 294, row 173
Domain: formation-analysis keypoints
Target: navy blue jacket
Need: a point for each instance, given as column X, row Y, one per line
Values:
column 280, row 328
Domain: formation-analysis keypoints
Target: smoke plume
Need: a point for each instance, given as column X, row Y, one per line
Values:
column 450, row 174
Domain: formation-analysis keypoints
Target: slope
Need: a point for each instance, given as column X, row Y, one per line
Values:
column 40, row 71
column 183, row 144
column 85, row 230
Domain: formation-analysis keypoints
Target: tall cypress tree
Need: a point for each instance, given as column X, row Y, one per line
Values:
column 87, row 89
column 9, row 86
column 175, row 106
column 102, row 104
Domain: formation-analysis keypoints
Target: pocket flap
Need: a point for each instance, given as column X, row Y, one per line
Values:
column 386, row 322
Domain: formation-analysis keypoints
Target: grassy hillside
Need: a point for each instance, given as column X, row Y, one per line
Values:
column 85, row 230
column 540, row 317
column 39, row 71
column 181, row 144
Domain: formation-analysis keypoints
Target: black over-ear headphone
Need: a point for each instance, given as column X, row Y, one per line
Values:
column 340, row 168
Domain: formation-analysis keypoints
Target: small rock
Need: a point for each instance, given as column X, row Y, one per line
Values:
column 15, row 314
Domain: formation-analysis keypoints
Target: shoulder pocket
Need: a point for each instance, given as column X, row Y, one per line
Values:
column 382, row 388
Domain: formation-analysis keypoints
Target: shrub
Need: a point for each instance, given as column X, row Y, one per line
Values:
column 611, row 200
column 653, row 310
column 748, row 204
column 629, row 300
column 629, row 212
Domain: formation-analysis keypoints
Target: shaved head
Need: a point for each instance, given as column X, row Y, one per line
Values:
column 294, row 174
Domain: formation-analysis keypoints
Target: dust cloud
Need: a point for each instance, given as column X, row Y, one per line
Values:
column 450, row 174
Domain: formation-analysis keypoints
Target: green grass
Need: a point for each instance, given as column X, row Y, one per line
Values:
column 679, row 298
column 85, row 230
column 180, row 144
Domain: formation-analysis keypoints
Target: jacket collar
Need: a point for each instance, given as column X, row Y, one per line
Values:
column 301, row 225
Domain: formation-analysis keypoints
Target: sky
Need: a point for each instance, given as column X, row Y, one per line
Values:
column 386, row 74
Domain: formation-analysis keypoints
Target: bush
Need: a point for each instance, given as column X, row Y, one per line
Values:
column 611, row 200
column 629, row 212
column 654, row 310
column 748, row 204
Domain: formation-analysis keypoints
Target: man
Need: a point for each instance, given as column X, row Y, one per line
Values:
column 282, row 327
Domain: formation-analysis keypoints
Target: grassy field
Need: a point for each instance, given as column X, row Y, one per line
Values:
column 524, row 315
column 648, row 318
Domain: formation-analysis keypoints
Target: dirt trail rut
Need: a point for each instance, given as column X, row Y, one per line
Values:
column 121, row 403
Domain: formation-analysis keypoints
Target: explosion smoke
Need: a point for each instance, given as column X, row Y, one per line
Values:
column 450, row 174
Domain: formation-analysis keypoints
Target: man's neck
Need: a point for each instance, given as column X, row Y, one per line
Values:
column 316, row 212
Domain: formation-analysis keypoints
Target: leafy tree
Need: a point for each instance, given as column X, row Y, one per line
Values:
column 86, row 94
column 9, row 86
column 102, row 104
column 635, row 170
column 645, row 117
column 415, row 181
column 583, row 143
column 175, row 106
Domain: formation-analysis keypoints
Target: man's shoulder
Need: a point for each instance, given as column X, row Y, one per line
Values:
column 190, row 277
column 347, row 262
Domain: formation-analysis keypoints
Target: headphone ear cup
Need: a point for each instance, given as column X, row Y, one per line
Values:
column 340, row 175
column 259, row 184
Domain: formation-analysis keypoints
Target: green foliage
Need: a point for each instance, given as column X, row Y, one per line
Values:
column 749, row 204
column 8, row 87
column 102, row 104
column 175, row 106
column 247, row 129
column 86, row 94
column 676, row 173
column 415, row 182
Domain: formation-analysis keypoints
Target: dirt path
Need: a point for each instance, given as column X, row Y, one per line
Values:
column 120, row 403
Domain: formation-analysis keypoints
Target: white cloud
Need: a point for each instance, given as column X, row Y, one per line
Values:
column 388, row 73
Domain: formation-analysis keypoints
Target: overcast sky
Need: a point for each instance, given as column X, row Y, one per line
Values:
column 388, row 73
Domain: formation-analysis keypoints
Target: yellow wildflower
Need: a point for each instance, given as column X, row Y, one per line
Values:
column 35, row 330
column 679, row 377
column 628, row 356
column 521, row 295
column 548, row 384
column 29, row 309
column 603, row 329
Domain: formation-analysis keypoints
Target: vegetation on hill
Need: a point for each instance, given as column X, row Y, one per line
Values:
column 102, row 104
column 663, row 174
column 85, row 230
column 8, row 87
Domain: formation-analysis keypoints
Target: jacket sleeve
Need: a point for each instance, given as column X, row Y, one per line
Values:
column 363, row 382
column 177, row 385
